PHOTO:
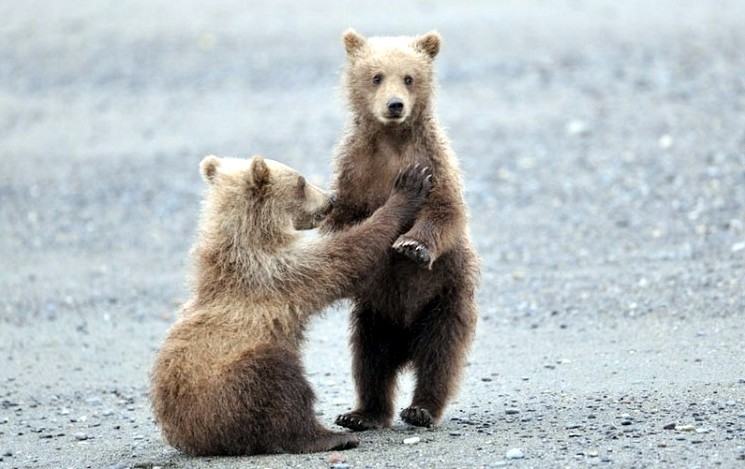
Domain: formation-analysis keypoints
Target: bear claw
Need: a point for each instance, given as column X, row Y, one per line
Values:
column 417, row 416
column 414, row 250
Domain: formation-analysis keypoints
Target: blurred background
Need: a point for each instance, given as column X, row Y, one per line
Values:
column 603, row 149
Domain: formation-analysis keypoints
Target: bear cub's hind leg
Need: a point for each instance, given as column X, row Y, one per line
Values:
column 378, row 354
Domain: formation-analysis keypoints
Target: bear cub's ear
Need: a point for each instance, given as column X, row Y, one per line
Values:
column 208, row 168
column 259, row 172
column 428, row 44
column 353, row 42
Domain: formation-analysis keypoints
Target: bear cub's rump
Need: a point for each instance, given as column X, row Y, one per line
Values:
column 228, row 379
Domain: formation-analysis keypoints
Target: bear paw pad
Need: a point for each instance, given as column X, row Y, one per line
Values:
column 417, row 416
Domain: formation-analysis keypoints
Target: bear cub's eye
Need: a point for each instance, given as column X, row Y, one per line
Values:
column 377, row 79
column 408, row 80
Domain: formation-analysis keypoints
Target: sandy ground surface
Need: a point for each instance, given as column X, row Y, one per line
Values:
column 603, row 146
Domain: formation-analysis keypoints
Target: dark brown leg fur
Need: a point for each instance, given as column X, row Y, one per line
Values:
column 440, row 339
column 379, row 352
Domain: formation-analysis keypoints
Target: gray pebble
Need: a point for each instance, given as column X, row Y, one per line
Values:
column 95, row 400
column 8, row 453
column 340, row 465
column 80, row 436
column 511, row 411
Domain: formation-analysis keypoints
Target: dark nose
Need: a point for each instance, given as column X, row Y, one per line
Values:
column 395, row 106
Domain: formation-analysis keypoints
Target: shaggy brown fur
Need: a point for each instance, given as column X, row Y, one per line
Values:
column 418, row 306
column 228, row 379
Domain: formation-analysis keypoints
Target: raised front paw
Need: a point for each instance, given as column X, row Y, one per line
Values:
column 415, row 180
column 417, row 416
column 414, row 250
column 358, row 421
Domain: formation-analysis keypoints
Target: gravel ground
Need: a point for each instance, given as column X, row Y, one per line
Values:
column 603, row 146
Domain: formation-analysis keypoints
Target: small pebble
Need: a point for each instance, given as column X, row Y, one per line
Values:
column 455, row 433
column 514, row 453
column 665, row 142
column 8, row 453
column 335, row 458
column 80, row 436
column 341, row 465
column 669, row 426
column 685, row 428
column 95, row 400
column 412, row 441
column 577, row 127
column 511, row 411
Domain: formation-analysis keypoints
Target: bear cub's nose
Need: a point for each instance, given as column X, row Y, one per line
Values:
column 395, row 107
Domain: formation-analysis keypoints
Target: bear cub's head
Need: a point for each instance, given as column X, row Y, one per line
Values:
column 263, row 194
column 390, row 78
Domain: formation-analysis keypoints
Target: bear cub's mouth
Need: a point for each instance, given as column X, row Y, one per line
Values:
column 393, row 118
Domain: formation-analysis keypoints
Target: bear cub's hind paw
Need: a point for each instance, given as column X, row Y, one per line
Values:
column 357, row 421
column 414, row 250
column 341, row 441
column 417, row 416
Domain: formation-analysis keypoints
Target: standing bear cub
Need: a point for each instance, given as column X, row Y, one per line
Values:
column 228, row 379
column 417, row 305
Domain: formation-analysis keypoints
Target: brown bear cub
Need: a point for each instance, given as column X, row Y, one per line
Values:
column 417, row 306
column 229, row 379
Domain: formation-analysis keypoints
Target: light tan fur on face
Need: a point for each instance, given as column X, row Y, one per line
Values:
column 288, row 195
column 381, row 70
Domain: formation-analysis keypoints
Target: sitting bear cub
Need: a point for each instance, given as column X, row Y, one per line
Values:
column 229, row 379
